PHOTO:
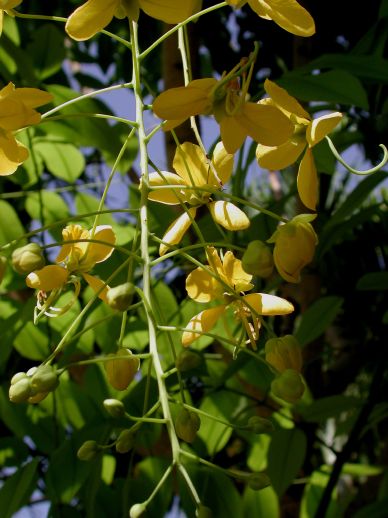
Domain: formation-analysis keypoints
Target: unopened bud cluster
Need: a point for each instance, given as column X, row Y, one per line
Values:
column 27, row 258
column 34, row 385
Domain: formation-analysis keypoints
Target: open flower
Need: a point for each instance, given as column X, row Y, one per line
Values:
column 288, row 14
column 295, row 244
column 5, row 5
column 307, row 133
column 196, row 173
column 94, row 15
column 17, row 112
column 77, row 257
column 228, row 101
column 227, row 281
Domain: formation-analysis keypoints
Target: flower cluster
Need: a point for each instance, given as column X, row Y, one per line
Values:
column 17, row 112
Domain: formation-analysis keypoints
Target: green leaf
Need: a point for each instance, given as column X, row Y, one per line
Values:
column 331, row 406
column 260, row 504
column 62, row 159
column 285, row 457
column 12, row 451
column 335, row 86
column 375, row 510
column 10, row 225
column 46, row 207
column 17, row 489
column 317, row 318
column 47, row 50
column 375, row 281
column 312, row 495
column 32, row 342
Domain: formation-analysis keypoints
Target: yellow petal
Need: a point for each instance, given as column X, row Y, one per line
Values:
column 90, row 18
column 307, row 181
column 166, row 196
column 214, row 261
column 12, row 154
column 265, row 124
column 14, row 115
column 233, row 134
column 265, row 304
column 279, row 157
column 203, row 287
column 191, row 164
column 48, row 278
column 322, row 126
column 228, row 215
column 237, row 277
column 31, row 97
column 201, row 323
column 170, row 11
column 288, row 14
column 185, row 101
column 97, row 285
column 96, row 253
column 283, row 100
column 177, row 230
column 223, row 164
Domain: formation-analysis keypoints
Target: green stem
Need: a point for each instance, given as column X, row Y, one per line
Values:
column 356, row 171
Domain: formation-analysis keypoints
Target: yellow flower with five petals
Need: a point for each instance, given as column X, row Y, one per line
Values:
column 229, row 102
column 17, row 112
column 307, row 133
column 288, row 14
column 92, row 16
column 226, row 280
column 77, row 256
column 194, row 174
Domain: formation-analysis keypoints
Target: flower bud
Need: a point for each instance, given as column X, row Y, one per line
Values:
column 27, row 258
column 203, row 512
column 257, row 481
column 121, row 296
column 44, row 379
column 284, row 353
column 88, row 450
column 20, row 390
column 121, row 371
column 295, row 244
column 114, row 407
column 125, row 441
column 3, row 267
column 188, row 360
column 187, row 425
column 257, row 259
column 17, row 377
column 37, row 398
column 288, row 386
column 257, row 424
column 137, row 510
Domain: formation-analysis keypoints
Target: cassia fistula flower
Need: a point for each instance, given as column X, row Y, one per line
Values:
column 227, row 281
column 194, row 174
column 17, row 112
column 307, row 133
column 92, row 16
column 229, row 102
column 295, row 244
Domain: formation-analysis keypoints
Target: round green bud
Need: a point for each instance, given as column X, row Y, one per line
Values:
column 203, row 512
column 17, row 377
column 121, row 296
column 3, row 266
column 187, row 425
column 258, row 424
column 258, row 260
column 88, row 450
column 20, row 391
column 188, row 360
column 27, row 259
column 257, row 481
column 137, row 510
column 125, row 441
column 288, row 386
column 114, row 407
column 44, row 379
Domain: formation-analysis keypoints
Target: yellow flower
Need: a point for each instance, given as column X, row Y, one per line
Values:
column 307, row 133
column 77, row 258
column 284, row 353
column 16, row 112
column 226, row 280
column 228, row 102
column 288, row 14
column 193, row 169
column 295, row 243
column 94, row 15
column 4, row 6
